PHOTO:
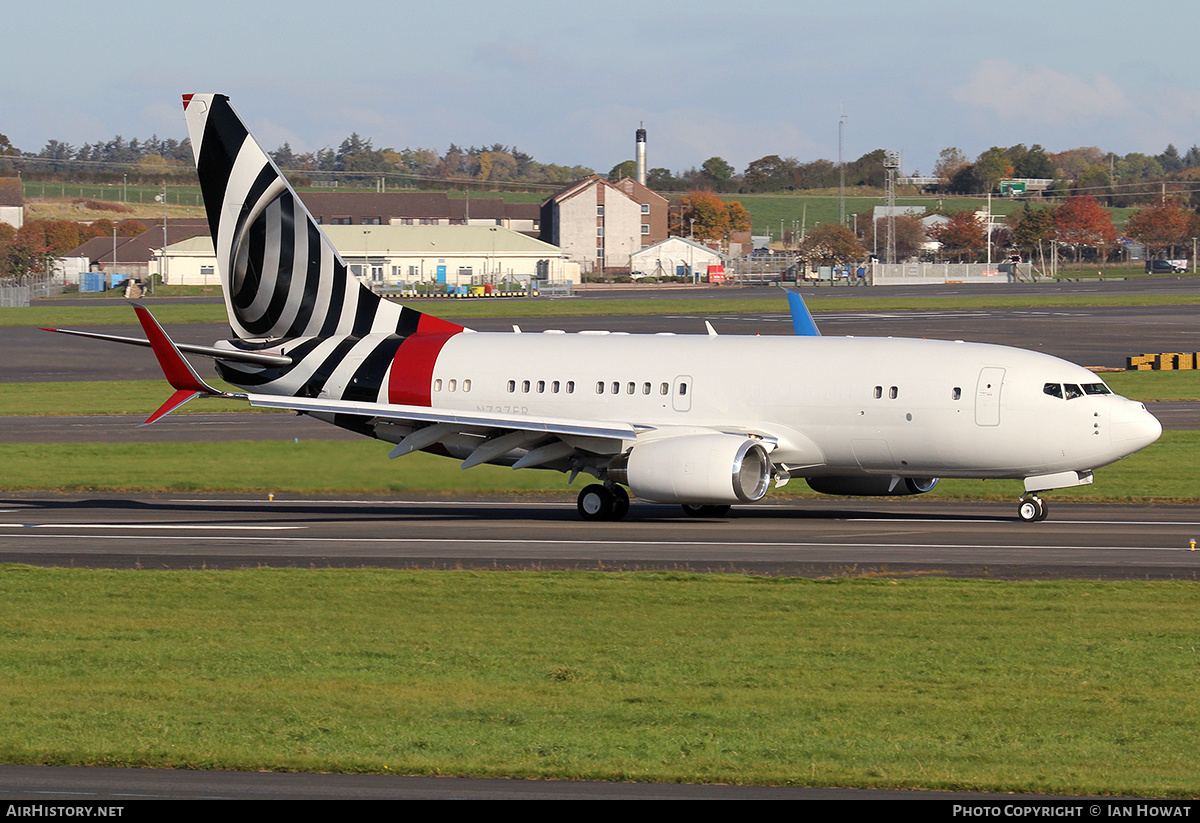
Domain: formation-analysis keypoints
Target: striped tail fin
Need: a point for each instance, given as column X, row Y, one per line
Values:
column 281, row 276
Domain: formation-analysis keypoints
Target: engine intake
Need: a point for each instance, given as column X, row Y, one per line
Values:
column 697, row 468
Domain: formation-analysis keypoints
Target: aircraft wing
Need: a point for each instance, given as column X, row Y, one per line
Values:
column 493, row 434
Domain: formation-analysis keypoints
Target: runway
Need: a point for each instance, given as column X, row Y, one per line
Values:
column 815, row 538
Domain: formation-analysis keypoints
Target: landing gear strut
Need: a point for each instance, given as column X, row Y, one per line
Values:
column 597, row 502
column 1032, row 509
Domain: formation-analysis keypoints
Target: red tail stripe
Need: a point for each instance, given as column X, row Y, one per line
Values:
column 412, row 368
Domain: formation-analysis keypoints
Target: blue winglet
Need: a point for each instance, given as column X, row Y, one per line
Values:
column 802, row 320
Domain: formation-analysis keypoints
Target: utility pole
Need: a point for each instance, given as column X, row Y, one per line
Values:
column 841, row 169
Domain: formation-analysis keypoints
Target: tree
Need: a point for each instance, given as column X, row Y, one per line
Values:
column 1031, row 227
column 770, row 173
column 950, row 162
column 661, row 180
column 705, row 216
column 910, row 235
column 716, row 169
column 830, row 244
column 626, row 168
column 1081, row 222
column 1162, row 226
column 963, row 234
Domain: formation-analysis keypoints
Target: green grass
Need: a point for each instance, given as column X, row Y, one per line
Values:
column 107, row 397
column 1068, row 687
column 362, row 467
column 766, row 210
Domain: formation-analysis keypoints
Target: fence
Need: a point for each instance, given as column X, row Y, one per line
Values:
column 896, row 274
column 14, row 296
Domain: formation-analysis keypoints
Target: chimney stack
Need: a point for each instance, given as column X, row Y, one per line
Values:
column 641, row 156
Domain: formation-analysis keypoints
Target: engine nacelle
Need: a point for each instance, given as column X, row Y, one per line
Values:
column 695, row 468
column 874, row 486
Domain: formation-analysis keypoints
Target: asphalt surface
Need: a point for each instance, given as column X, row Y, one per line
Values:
column 812, row 538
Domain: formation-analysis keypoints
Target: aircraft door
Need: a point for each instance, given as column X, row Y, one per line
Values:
column 681, row 393
column 987, row 396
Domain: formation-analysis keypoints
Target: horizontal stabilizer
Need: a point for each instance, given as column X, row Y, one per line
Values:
column 233, row 355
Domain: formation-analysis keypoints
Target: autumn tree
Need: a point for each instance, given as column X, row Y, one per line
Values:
column 707, row 217
column 1081, row 222
column 830, row 244
column 964, row 234
column 1162, row 226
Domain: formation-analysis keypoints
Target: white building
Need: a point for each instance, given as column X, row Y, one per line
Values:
column 595, row 223
column 676, row 256
column 392, row 255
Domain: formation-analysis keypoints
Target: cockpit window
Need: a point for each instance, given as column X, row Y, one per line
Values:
column 1053, row 389
column 1096, row 388
column 1072, row 391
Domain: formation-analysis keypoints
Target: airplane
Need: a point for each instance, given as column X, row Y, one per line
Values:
column 703, row 421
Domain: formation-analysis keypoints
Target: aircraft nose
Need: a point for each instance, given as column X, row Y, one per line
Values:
column 1133, row 427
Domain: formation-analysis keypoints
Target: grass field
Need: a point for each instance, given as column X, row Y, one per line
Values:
column 362, row 467
column 1068, row 687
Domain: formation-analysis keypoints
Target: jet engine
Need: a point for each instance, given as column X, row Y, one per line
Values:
column 874, row 486
column 696, row 468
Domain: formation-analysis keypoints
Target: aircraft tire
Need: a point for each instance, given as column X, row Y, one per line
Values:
column 596, row 502
column 620, row 503
column 1031, row 509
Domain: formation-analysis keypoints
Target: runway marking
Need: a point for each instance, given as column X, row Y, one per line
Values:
column 146, row 526
column 610, row 544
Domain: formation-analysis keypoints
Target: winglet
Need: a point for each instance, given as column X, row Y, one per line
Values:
column 803, row 324
column 179, row 372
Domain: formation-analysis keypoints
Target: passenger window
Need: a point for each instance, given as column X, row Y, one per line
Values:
column 437, row 385
column 629, row 389
column 664, row 389
column 453, row 385
column 570, row 387
column 878, row 392
column 466, row 385
column 541, row 386
column 1053, row 389
column 525, row 386
column 645, row 388
column 682, row 389
column 956, row 394
column 600, row 387
column 616, row 387
column 554, row 387
column 893, row 392
column 512, row 386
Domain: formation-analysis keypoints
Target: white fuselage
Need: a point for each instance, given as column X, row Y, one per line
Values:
column 835, row 405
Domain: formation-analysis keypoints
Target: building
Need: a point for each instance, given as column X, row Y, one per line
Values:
column 420, row 209
column 676, row 256
column 12, row 202
column 600, row 225
column 391, row 256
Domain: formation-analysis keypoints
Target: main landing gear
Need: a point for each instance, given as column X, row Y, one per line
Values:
column 1032, row 509
column 597, row 502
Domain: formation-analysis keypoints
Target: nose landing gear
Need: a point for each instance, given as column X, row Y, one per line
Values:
column 1032, row 509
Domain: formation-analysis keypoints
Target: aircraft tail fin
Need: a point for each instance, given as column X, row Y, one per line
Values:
column 281, row 276
column 803, row 324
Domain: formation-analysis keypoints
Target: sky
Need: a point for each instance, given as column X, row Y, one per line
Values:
column 569, row 83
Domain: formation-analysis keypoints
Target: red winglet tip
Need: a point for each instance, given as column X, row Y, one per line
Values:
column 173, row 402
column 187, row 98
